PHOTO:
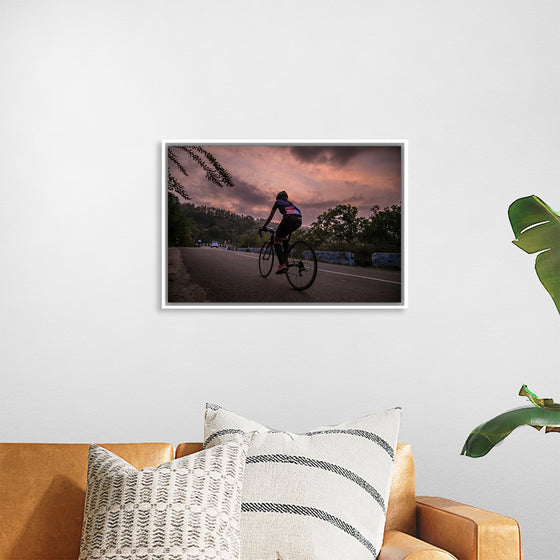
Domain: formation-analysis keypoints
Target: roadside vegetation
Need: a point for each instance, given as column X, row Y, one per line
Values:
column 337, row 229
column 188, row 223
column 341, row 229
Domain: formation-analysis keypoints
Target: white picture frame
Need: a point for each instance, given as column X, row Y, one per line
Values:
column 187, row 284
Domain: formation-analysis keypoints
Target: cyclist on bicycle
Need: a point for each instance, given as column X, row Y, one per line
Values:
column 291, row 220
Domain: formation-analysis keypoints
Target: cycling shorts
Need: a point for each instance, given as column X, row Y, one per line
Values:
column 288, row 225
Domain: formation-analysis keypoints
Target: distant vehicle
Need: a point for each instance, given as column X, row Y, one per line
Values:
column 214, row 244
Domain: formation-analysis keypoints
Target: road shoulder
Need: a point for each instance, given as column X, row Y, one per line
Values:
column 180, row 287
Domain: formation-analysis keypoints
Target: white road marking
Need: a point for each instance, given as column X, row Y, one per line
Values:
column 358, row 276
column 250, row 255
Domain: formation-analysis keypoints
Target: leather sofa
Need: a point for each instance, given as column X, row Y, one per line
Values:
column 42, row 492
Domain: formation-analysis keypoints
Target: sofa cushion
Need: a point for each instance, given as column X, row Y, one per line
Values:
column 186, row 509
column 401, row 510
column 42, row 492
column 322, row 494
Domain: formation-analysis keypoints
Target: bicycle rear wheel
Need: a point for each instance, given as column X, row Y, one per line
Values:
column 266, row 259
column 302, row 265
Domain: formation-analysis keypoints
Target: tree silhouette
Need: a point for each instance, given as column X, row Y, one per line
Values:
column 215, row 173
column 383, row 227
column 337, row 225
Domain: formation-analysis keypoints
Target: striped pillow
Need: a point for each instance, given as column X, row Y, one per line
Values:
column 312, row 496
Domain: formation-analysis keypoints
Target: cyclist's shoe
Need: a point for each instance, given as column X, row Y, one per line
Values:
column 282, row 269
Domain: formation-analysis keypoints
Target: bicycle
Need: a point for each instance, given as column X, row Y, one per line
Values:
column 301, row 261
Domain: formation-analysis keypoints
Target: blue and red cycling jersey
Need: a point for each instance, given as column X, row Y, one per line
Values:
column 287, row 208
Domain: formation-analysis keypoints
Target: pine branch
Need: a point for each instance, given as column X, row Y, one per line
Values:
column 214, row 172
column 174, row 186
column 172, row 157
column 217, row 175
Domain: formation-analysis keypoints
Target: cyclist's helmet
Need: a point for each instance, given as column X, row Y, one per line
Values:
column 283, row 195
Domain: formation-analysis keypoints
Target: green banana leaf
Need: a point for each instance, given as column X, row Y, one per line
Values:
column 536, row 227
column 544, row 413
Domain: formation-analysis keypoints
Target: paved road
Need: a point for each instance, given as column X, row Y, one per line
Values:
column 233, row 277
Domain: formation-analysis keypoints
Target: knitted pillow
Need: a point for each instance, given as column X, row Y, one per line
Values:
column 312, row 496
column 187, row 509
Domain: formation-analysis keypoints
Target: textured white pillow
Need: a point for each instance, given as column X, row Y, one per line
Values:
column 321, row 495
column 185, row 509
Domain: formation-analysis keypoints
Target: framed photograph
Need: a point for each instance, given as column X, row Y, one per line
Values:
column 284, row 224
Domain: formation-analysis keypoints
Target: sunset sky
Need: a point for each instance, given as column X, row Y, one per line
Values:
column 316, row 178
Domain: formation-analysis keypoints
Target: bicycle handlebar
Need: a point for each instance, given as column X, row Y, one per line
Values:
column 268, row 230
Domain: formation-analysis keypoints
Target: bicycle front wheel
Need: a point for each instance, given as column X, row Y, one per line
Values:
column 302, row 265
column 266, row 259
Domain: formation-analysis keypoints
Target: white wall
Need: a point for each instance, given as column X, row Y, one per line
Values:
column 88, row 92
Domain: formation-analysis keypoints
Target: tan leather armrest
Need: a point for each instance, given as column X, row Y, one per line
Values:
column 467, row 532
column 400, row 546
